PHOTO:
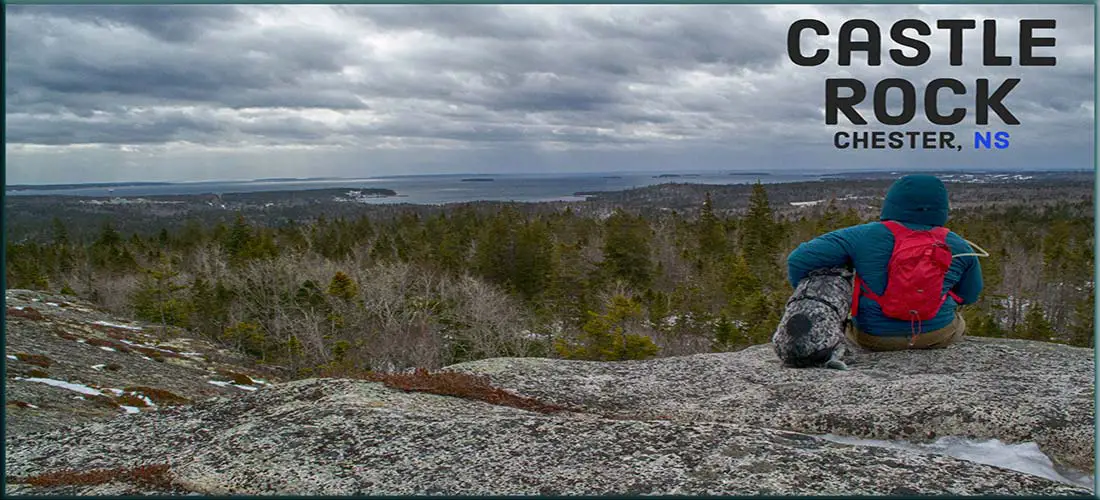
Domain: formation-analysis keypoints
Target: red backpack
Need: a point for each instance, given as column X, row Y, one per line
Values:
column 915, row 274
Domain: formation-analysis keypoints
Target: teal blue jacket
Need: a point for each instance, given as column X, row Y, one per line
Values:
column 918, row 202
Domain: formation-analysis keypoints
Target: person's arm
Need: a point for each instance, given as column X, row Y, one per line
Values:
column 970, row 284
column 833, row 249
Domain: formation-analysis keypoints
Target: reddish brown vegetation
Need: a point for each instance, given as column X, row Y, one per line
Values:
column 238, row 378
column 34, row 359
column 21, row 404
column 131, row 400
column 461, row 385
column 159, row 396
column 154, row 353
column 65, row 335
column 26, row 313
column 38, row 373
column 107, row 343
column 146, row 475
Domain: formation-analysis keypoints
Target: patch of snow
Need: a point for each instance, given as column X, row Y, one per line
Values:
column 191, row 354
column 105, row 348
column 1023, row 457
column 98, row 367
column 53, row 304
column 36, row 300
column 12, row 357
column 82, row 341
column 31, row 405
column 116, row 392
column 146, row 357
column 80, row 398
column 130, row 409
column 806, row 203
column 19, row 308
column 81, row 388
column 228, row 384
column 116, row 325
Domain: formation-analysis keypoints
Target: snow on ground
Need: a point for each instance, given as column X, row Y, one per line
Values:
column 18, row 308
column 228, row 384
column 98, row 367
column 12, row 357
column 116, row 325
column 105, row 348
column 1023, row 457
column 130, row 409
column 806, row 203
column 117, row 392
column 81, row 388
column 55, row 304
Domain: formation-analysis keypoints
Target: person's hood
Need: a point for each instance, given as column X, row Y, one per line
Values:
column 919, row 199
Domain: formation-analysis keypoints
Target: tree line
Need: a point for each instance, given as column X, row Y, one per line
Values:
column 330, row 294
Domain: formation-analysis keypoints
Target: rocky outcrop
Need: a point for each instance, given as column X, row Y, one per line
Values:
column 340, row 437
column 1012, row 390
column 729, row 423
column 68, row 363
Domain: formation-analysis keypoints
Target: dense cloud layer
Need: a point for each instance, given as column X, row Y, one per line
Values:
column 180, row 92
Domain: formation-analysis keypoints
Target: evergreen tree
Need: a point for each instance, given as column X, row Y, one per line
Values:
column 605, row 338
column 156, row 299
column 343, row 287
column 626, row 249
column 760, row 236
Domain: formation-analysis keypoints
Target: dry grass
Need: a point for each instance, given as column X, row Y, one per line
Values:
column 462, row 385
column 159, row 396
column 34, row 359
column 26, row 313
column 155, row 476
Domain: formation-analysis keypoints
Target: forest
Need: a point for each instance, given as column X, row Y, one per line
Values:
column 331, row 293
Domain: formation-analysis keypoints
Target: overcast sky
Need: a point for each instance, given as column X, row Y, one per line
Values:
column 97, row 93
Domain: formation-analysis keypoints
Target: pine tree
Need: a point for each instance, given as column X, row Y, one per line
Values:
column 1036, row 326
column 343, row 287
column 604, row 336
column 156, row 300
column 626, row 249
column 712, row 237
column 760, row 236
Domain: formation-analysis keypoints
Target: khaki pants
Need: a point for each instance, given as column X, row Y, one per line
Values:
column 936, row 339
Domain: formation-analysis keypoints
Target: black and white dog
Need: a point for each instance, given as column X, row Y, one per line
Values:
column 811, row 331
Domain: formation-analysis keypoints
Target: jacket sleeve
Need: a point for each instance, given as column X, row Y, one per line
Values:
column 970, row 284
column 834, row 249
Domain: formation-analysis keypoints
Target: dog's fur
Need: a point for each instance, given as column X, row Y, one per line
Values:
column 811, row 331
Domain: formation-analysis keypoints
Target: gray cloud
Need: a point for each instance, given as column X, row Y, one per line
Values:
column 182, row 88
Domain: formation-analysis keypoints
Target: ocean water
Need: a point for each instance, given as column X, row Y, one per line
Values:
column 433, row 189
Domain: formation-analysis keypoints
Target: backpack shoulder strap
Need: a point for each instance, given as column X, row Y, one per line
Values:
column 896, row 228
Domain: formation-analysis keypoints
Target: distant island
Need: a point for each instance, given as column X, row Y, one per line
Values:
column 90, row 185
column 669, row 176
column 478, row 179
column 296, row 179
